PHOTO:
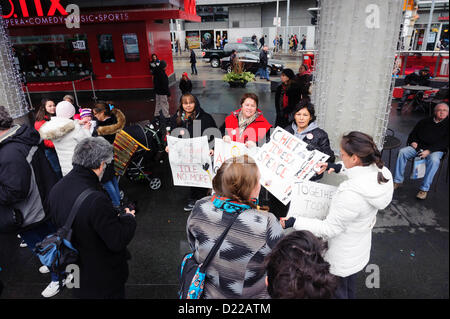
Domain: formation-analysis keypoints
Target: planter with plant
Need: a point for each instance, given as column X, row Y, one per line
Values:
column 238, row 78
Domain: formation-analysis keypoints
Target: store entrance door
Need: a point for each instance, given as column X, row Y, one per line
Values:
column 207, row 39
column 221, row 38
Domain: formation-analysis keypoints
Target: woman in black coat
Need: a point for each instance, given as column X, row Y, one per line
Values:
column 305, row 128
column 185, row 84
column 287, row 97
column 188, row 112
column 303, row 79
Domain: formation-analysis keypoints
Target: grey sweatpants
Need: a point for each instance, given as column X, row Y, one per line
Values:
column 162, row 104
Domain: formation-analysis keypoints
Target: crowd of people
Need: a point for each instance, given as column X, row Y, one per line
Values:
column 318, row 259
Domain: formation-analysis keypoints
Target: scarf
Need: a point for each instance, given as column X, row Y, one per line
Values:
column 228, row 206
column 243, row 122
column 285, row 100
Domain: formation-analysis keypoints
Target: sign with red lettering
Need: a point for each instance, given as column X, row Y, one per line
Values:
column 224, row 150
column 22, row 9
column 310, row 199
column 190, row 161
column 285, row 160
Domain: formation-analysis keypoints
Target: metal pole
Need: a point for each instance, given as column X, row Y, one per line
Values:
column 427, row 31
column 276, row 27
column 93, row 90
column 75, row 93
column 29, row 98
column 288, row 4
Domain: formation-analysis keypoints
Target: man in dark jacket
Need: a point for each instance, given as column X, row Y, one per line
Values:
column 26, row 178
column 161, row 86
column 193, row 61
column 421, row 78
column 429, row 140
column 99, row 232
column 263, row 63
column 261, row 42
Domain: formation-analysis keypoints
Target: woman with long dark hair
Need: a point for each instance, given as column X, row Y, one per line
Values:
column 43, row 115
column 287, row 97
column 353, row 209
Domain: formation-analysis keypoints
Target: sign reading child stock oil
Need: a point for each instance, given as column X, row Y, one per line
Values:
column 286, row 160
column 312, row 200
column 190, row 161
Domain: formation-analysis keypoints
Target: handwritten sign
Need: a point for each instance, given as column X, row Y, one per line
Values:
column 310, row 199
column 224, row 151
column 285, row 160
column 190, row 161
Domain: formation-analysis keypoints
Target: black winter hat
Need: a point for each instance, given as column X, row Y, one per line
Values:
column 289, row 73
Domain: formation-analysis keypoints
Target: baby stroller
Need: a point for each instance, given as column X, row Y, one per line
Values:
column 137, row 149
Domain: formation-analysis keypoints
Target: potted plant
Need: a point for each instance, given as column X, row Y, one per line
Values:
column 238, row 78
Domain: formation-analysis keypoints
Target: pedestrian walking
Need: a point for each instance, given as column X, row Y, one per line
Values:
column 303, row 42
column 162, row 92
column 185, row 84
column 281, row 43
column 263, row 64
column 261, row 42
column 193, row 61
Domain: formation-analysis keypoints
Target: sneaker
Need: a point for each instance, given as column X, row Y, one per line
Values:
column 421, row 195
column 23, row 244
column 189, row 206
column 53, row 288
column 397, row 185
column 44, row 270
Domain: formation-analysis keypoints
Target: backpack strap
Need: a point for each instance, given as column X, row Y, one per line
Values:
column 217, row 245
column 75, row 208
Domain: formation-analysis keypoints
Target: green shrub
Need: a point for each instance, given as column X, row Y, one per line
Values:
column 239, row 77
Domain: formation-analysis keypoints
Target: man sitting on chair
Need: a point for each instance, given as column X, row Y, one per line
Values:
column 429, row 140
column 422, row 78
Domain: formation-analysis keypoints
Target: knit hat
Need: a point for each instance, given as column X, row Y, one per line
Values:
column 85, row 112
column 65, row 109
column 185, row 73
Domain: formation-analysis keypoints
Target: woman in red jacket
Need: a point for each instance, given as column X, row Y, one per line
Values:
column 45, row 112
column 246, row 125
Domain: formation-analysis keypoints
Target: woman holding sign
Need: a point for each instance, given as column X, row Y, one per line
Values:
column 353, row 209
column 246, row 125
column 237, row 269
column 188, row 112
column 304, row 127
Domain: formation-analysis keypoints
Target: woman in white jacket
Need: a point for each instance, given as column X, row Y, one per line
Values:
column 65, row 134
column 353, row 209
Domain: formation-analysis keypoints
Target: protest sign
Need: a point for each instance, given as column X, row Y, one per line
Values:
column 310, row 199
column 284, row 160
column 224, row 150
column 190, row 161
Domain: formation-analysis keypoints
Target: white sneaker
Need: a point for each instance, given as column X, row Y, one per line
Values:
column 44, row 270
column 53, row 288
column 23, row 244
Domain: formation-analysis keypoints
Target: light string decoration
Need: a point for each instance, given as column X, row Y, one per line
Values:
column 11, row 92
column 353, row 82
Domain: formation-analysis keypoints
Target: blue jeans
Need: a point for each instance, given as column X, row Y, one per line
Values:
column 263, row 73
column 112, row 188
column 193, row 68
column 432, row 164
column 35, row 235
column 52, row 157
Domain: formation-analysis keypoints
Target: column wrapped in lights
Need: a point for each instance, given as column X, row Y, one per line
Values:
column 11, row 93
column 356, row 42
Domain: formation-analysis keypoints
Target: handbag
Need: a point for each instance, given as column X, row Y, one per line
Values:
column 11, row 219
column 193, row 274
column 419, row 168
column 56, row 251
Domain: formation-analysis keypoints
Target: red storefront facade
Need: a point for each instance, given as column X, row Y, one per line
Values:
column 114, row 47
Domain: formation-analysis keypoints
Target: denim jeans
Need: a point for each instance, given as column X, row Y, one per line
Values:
column 112, row 188
column 263, row 73
column 432, row 164
column 52, row 157
column 193, row 68
column 35, row 235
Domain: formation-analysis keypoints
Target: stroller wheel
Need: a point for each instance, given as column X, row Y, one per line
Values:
column 155, row 183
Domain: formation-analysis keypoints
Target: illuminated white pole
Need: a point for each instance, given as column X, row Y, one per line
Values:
column 11, row 93
column 357, row 40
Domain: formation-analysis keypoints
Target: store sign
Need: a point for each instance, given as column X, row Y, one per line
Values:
column 24, row 9
column 79, row 45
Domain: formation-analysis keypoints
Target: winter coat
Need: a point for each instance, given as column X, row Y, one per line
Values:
column 430, row 135
column 26, row 176
column 263, row 59
column 65, row 135
column 192, row 58
column 254, row 132
column 304, row 82
column 37, row 126
column 416, row 79
column 237, row 271
column 284, row 115
column 110, row 127
column 98, row 233
column 185, row 86
column 153, row 65
column 351, row 217
column 315, row 137
column 160, row 82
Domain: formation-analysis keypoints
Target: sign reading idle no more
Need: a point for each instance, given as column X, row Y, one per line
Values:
column 190, row 161
column 310, row 199
column 286, row 160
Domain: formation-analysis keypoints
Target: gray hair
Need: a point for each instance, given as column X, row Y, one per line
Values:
column 6, row 120
column 441, row 103
column 70, row 97
column 92, row 151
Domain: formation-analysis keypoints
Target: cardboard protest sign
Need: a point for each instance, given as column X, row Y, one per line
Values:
column 310, row 199
column 190, row 161
column 224, row 151
column 284, row 160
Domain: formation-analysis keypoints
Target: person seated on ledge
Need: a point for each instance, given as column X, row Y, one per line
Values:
column 429, row 140
column 422, row 78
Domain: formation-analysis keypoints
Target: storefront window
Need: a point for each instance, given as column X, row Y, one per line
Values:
column 106, row 49
column 56, row 57
column 130, row 47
